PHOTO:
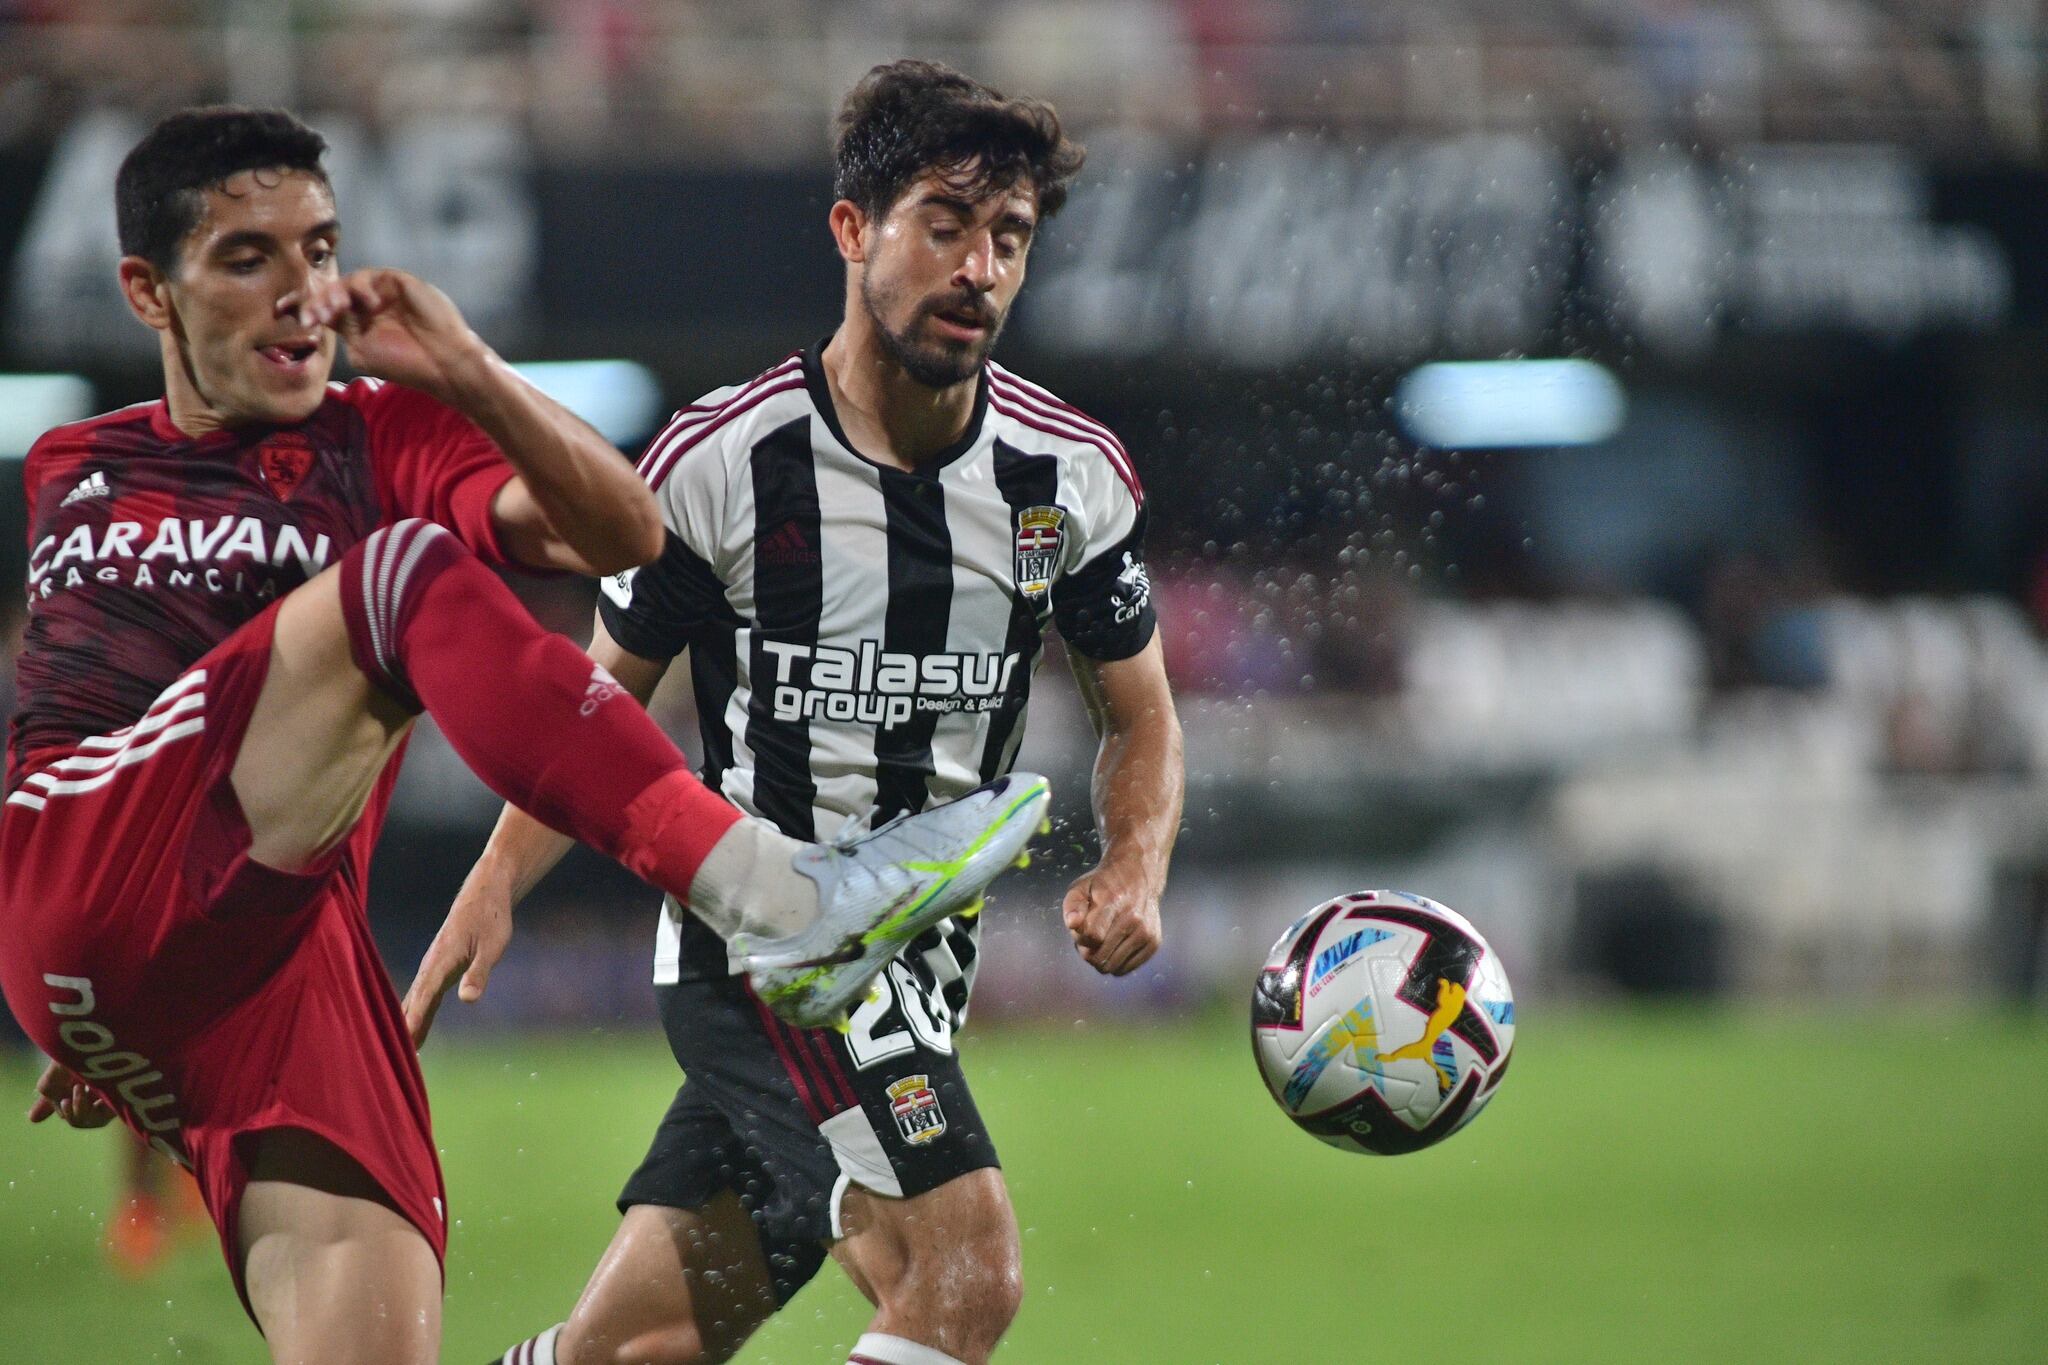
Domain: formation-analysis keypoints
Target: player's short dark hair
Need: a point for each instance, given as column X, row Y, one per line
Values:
column 908, row 118
column 159, row 191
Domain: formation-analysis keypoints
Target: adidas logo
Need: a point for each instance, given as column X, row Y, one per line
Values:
column 601, row 689
column 787, row 545
column 93, row 485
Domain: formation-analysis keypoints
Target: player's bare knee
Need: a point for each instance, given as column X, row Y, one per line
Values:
column 676, row 1287
column 989, row 1280
column 947, row 1263
column 969, row 1288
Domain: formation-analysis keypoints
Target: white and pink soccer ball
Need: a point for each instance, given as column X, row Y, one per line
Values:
column 1382, row 1022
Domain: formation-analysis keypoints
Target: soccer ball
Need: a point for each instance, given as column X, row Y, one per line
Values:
column 1382, row 1022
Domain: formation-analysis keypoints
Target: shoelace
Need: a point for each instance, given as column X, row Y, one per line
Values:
column 850, row 830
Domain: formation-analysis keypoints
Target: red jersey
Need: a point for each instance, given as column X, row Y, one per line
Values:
column 148, row 547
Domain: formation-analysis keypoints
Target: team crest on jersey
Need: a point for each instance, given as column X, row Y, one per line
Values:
column 283, row 461
column 916, row 1107
column 1040, row 531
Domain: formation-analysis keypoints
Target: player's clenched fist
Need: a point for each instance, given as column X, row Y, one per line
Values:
column 1113, row 914
column 397, row 327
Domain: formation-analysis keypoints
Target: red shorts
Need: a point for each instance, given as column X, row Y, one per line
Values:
column 207, row 997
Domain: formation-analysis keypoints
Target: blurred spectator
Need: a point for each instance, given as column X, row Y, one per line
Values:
column 1700, row 59
column 1203, row 619
column 1761, row 621
column 762, row 79
column 1283, row 630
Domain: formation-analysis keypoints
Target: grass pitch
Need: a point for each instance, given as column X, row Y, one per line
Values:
column 1661, row 1186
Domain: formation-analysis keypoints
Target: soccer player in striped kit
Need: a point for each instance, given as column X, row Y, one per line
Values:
column 865, row 544
column 241, row 596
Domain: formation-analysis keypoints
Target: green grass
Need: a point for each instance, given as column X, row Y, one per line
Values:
column 1663, row 1187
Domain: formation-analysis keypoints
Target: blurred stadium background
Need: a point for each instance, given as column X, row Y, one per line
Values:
column 1596, row 458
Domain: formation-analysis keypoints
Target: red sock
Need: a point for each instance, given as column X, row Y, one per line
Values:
column 530, row 713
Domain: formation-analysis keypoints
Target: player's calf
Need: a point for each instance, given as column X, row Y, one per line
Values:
column 552, row 733
column 530, row 714
column 410, row 620
column 675, row 1287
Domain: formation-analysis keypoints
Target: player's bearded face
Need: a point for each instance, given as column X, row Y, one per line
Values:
column 940, row 275
column 263, row 237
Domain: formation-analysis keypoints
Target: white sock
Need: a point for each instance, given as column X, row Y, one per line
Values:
column 538, row 1350
column 746, row 884
column 878, row 1349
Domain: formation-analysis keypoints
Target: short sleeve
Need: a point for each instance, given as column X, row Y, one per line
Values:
column 430, row 461
column 1103, row 607
column 657, row 609
column 53, row 457
column 35, row 472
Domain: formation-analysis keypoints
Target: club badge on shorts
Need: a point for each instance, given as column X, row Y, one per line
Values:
column 1039, row 533
column 916, row 1107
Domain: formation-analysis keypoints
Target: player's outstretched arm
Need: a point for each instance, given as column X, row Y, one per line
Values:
column 1113, row 910
column 521, row 851
column 575, row 504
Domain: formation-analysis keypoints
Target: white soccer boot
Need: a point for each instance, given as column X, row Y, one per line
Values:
column 878, row 892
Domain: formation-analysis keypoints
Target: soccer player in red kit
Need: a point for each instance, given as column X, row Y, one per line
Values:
column 241, row 596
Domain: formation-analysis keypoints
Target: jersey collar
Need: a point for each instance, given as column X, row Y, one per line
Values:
column 219, row 438
column 821, row 398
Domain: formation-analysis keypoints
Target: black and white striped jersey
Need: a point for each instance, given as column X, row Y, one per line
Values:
column 862, row 639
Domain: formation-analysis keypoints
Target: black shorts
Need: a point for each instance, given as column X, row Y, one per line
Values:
column 787, row 1118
